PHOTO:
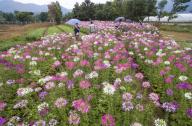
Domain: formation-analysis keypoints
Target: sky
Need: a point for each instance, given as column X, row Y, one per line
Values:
column 65, row 3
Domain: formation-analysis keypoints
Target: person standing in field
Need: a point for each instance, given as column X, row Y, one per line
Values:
column 92, row 27
column 117, row 24
column 76, row 31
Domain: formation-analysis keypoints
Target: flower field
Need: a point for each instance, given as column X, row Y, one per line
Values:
column 126, row 77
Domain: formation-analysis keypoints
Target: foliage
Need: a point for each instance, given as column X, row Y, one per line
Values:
column 43, row 16
column 54, row 11
column 178, row 6
column 24, row 16
column 161, row 7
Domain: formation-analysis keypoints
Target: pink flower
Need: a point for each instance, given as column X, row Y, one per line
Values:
column 74, row 118
column 2, row 105
column 153, row 97
column 169, row 79
column 60, row 102
column 56, row 64
column 107, row 120
column 139, row 76
column 84, row 84
column 70, row 65
column 146, row 84
column 81, row 105
column 49, row 85
column 127, row 97
column 139, row 107
column 84, row 63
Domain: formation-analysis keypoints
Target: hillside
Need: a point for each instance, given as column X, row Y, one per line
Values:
column 11, row 6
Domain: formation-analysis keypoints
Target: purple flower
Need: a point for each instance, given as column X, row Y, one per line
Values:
column 128, row 79
column 169, row 92
column 127, row 106
column 70, row 84
column 2, row 121
column 170, row 106
column 139, row 96
column 189, row 112
column 42, row 95
column 107, row 120
column 184, row 85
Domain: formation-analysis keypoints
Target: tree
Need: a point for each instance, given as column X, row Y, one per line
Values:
column 10, row 17
column 54, row 11
column 161, row 7
column 151, row 8
column 43, row 16
column 87, row 10
column 24, row 17
column 178, row 6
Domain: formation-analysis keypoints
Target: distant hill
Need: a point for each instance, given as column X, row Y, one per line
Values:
column 169, row 6
column 11, row 6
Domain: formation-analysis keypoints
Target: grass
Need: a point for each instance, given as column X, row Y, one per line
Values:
column 53, row 30
column 8, row 32
column 27, row 37
column 182, row 34
column 35, row 34
column 177, row 28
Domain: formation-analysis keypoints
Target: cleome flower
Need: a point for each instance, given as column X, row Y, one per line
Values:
column 188, row 95
column 160, row 122
column 109, row 89
column 24, row 91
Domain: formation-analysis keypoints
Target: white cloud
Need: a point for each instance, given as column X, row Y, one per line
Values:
column 65, row 3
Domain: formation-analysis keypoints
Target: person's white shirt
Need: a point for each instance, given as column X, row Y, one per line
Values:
column 92, row 28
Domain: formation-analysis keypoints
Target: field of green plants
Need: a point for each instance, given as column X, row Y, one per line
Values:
column 130, row 76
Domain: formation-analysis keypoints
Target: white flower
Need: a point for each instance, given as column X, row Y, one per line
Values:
column 95, row 55
column 159, row 52
column 148, row 61
column 92, row 75
column 28, row 57
column 131, row 53
column 37, row 72
column 33, row 63
column 76, row 59
column 38, row 89
column 34, row 58
column 145, row 49
column 42, row 106
column 183, row 78
column 177, row 51
column 188, row 95
column 167, row 63
column 188, row 49
column 160, row 122
column 47, row 54
column 24, row 91
column 63, row 74
column 61, row 85
column 169, row 47
column 136, row 124
column 118, row 80
column 100, row 48
column 109, row 89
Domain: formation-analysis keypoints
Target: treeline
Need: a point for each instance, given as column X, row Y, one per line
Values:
column 23, row 17
column 130, row 9
column 54, row 14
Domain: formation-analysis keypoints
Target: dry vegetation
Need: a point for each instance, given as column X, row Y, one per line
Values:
column 11, row 31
